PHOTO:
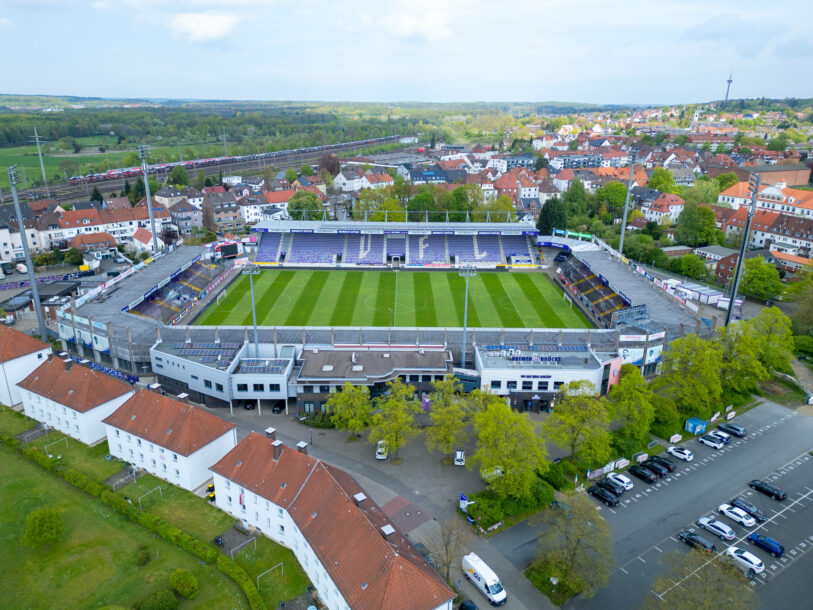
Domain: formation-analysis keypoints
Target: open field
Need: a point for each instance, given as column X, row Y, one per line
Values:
column 304, row 297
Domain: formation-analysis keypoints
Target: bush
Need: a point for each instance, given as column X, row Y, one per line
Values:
column 318, row 420
column 556, row 476
column 82, row 481
column 42, row 527
column 160, row 600
column 35, row 455
column 184, row 583
column 142, row 555
column 238, row 575
column 491, row 508
column 804, row 344
column 539, row 574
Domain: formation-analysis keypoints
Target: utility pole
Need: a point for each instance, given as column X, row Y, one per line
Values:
column 38, row 141
column 14, row 179
column 223, row 135
column 467, row 272
column 753, row 181
column 144, row 152
column 626, row 204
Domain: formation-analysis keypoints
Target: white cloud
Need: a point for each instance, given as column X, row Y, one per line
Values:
column 426, row 19
column 203, row 27
column 5, row 23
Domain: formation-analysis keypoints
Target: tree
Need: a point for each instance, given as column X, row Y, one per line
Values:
column 727, row 180
column 740, row 368
column 162, row 599
column 43, row 526
column 575, row 545
column 449, row 414
column 507, row 440
column 126, row 190
column 691, row 375
column 350, row 409
column 394, row 421
column 74, row 257
column 329, row 163
column 306, row 170
column 448, row 544
column 96, row 195
column 614, row 194
column 689, row 265
column 200, row 181
column 500, row 210
column 580, row 423
column 631, row 405
column 662, row 180
column 720, row 584
column 553, row 215
column 184, row 583
column 302, row 204
column 772, row 330
column 760, row 279
column 291, row 175
column 575, row 199
column 178, row 176
column 696, row 225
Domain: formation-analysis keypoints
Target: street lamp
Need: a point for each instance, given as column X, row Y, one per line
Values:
column 753, row 184
column 467, row 272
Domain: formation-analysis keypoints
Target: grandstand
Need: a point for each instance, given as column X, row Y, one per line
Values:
column 166, row 302
column 381, row 244
column 592, row 289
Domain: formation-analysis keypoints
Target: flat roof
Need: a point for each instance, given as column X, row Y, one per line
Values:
column 537, row 356
column 215, row 354
column 418, row 228
column 320, row 363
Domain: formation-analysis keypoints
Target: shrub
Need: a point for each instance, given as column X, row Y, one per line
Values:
column 35, row 455
column 318, row 420
column 42, row 527
column 556, row 476
column 142, row 555
column 82, row 481
column 238, row 575
column 160, row 600
column 804, row 344
column 184, row 583
column 539, row 574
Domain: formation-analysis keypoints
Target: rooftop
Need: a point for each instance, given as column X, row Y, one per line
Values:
column 536, row 356
column 369, row 365
column 14, row 344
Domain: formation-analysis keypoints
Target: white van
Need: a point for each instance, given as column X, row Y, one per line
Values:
column 481, row 576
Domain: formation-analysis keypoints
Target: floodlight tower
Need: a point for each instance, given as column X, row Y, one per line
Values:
column 467, row 272
column 38, row 140
column 144, row 153
column 626, row 204
column 14, row 179
column 753, row 185
column 728, row 88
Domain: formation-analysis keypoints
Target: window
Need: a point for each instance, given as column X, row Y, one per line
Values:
column 219, row 387
column 279, row 512
column 131, row 453
column 138, row 442
column 281, row 530
column 228, row 500
column 207, row 383
column 496, row 384
column 324, row 389
column 308, row 406
column 308, row 389
column 512, row 385
column 174, row 457
column 527, row 385
column 228, row 485
column 557, row 384
column 195, row 377
column 258, row 387
column 414, row 377
column 273, row 387
column 177, row 473
column 164, row 467
column 117, row 433
column 426, row 378
column 541, row 385
column 242, row 387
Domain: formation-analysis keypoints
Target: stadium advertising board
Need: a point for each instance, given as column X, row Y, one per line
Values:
column 553, row 244
column 622, row 463
column 635, row 355
column 351, row 231
column 387, row 232
column 489, row 233
column 442, row 232
column 301, row 230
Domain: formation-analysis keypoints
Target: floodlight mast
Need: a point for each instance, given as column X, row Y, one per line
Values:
column 467, row 272
column 144, row 153
column 753, row 184
column 626, row 204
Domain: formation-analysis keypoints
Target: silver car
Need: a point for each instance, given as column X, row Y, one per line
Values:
column 711, row 441
column 718, row 528
column 622, row 480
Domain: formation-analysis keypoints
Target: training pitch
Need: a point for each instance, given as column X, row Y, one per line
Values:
column 292, row 297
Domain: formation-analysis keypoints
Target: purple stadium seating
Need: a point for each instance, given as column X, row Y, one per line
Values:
column 365, row 250
column 516, row 246
column 268, row 248
column 427, row 250
column 396, row 246
column 314, row 248
column 462, row 247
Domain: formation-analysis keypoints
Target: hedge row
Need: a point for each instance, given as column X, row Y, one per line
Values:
column 149, row 521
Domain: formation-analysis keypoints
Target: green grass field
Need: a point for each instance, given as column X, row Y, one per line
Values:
column 293, row 297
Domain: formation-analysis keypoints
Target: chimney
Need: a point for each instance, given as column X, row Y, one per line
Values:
column 68, row 364
column 359, row 499
column 387, row 531
column 183, row 397
column 277, row 445
column 302, row 447
column 50, row 356
column 271, row 433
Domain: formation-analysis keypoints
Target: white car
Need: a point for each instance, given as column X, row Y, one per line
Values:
column 681, row 453
column 737, row 514
column 710, row 441
column 745, row 560
column 718, row 528
column 381, row 450
column 460, row 457
column 622, row 480
column 720, row 435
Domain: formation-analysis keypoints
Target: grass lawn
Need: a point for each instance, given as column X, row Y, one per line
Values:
column 91, row 461
column 95, row 564
column 294, row 297
column 199, row 518
column 13, row 423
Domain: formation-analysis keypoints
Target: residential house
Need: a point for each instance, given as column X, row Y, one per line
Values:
column 221, row 213
column 186, row 216
column 279, row 198
column 142, row 241
column 665, row 207
column 98, row 245
column 349, row 179
column 168, row 195
column 726, row 267
column 714, row 254
column 376, row 181
column 193, row 196
column 169, row 439
column 252, row 209
column 776, row 198
column 314, row 509
column 72, row 398
column 20, row 354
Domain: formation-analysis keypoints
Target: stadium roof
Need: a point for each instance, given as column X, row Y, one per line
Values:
column 417, row 228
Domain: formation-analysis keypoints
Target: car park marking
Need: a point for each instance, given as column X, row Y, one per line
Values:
column 659, row 550
column 623, row 570
column 641, row 559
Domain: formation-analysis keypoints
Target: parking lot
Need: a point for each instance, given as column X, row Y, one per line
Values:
column 646, row 521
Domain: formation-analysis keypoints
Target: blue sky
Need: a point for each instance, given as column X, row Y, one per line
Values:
column 393, row 50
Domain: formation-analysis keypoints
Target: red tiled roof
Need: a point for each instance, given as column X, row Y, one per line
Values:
column 78, row 388
column 89, row 240
column 77, row 218
column 142, row 235
column 169, row 423
column 791, row 258
column 279, row 196
column 14, row 344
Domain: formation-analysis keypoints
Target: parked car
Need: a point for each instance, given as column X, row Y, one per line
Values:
column 749, row 508
column 460, row 457
column 656, row 467
column 602, row 495
column 767, row 544
column 681, row 453
column 766, row 488
column 622, row 480
column 745, row 560
column 719, row 434
column 664, row 461
column 278, row 408
column 250, row 406
column 381, row 450
column 732, row 429
column 467, row 604
column 645, row 474
column 718, row 528
column 611, row 486
column 737, row 514
column 697, row 541
column 711, row 441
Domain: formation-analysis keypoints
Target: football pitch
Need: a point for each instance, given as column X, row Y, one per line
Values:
column 292, row 297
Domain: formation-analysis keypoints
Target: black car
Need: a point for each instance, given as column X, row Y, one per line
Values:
column 769, row 490
column 732, row 429
column 468, row 605
column 664, row 461
column 249, row 406
column 278, row 408
column 601, row 494
column 749, row 508
column 697, row 541
column 645, row 474
column 655, row 467
column 611, row 486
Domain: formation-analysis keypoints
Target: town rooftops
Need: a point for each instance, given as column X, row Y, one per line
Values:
column 171, row 424
column 358, row 365
column 14, row 344
column 73, row 385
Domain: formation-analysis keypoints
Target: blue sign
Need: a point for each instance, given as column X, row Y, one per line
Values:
column 396, row 232
column 348, row 231
column 442, row 232
column 131, row 379
column 301, row 230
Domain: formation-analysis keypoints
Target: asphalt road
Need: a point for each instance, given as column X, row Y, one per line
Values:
column 649, row 515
